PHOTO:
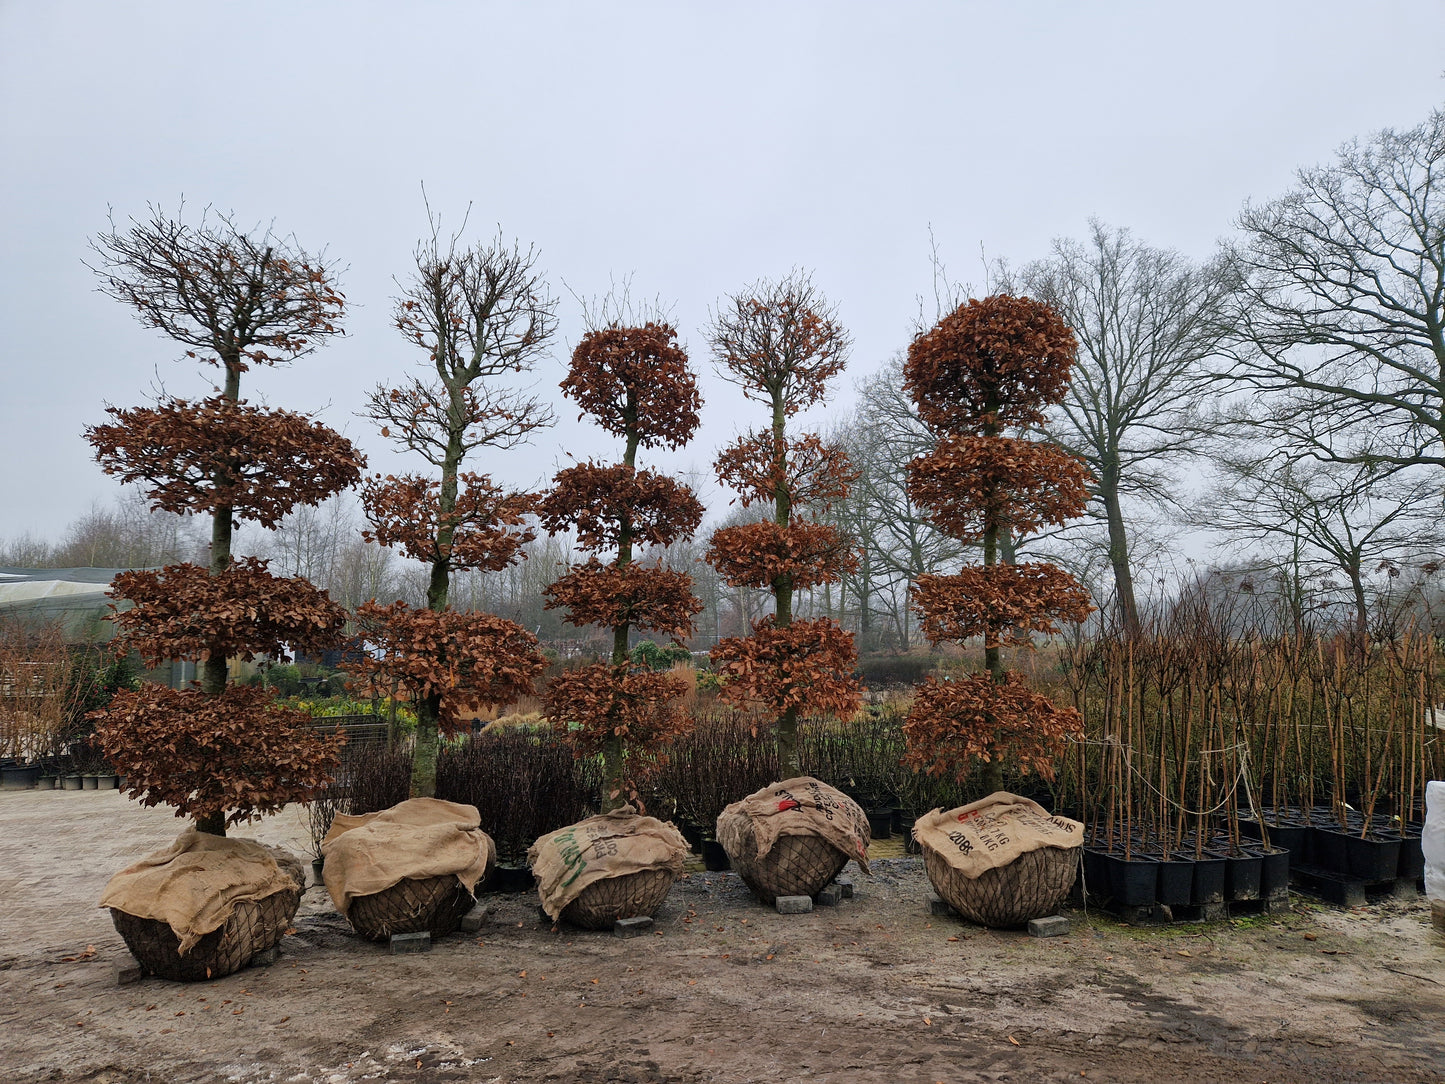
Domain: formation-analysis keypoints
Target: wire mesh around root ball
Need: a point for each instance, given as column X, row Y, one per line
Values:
column 254, row 926
column 413, row 904
column 603, row 902
column 1033, row 885
column 795, row 866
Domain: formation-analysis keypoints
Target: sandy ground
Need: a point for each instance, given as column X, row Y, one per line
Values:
column 724, row 990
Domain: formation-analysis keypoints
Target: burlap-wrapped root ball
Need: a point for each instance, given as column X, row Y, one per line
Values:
column 612, row 866
column 205, row 906
column 1000, row 861
column 792, row 838
column 413, row 904
column 409, row 868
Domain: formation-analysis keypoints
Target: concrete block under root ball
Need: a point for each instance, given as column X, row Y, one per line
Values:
column 940, row 908
column 1049, row 926
column 631, row 927
column 475, row 919
column 846, row 884
column 829, row 896
column 266, row 957
column 405, row 943
column 127, row 974
column 794, row 905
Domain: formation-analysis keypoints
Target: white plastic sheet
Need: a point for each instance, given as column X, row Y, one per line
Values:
column 1434, row 840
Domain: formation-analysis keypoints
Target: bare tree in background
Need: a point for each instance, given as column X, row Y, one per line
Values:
column 1342, row 319
column 1146, row 319
column 896, row 542
column 1327, row 519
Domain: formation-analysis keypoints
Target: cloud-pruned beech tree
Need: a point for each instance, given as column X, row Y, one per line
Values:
column 480, row 314
column 219, row 753
column 634, row 382
column 781, row 343
column 990, row 366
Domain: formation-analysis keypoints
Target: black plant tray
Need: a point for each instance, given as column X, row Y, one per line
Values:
column 1345, row 891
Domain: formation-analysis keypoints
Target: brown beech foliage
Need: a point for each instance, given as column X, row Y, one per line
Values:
column 954, row 725
column 612, row 595
column 985, row 601
column 185, row 612
column 487, row 526
column 968, row 482
column 759, row 554
column 806, row 667
column 217, row 453
column 471, row 660
column 237, row 755
column 607, row 702
column 599, row 500
column 995, row 363
column 634, row 382
column 810, row 471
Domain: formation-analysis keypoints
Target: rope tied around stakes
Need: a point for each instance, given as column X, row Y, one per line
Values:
column 1241, row 775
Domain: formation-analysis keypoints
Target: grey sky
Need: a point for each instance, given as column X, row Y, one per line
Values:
column 694, row 146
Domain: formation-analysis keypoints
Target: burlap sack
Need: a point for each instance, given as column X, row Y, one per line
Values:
column 613, row 844
column 992, row 832
column 418, row 838
column 795, row 807
column 194, row 885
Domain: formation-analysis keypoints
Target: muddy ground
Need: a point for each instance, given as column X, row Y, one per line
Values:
column 724, row 990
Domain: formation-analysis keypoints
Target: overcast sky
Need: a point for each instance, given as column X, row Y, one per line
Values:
column 695, row 147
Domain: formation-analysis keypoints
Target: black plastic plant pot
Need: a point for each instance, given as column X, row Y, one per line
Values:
column 693, row 834
column 1411, row 866
column 1327, row 849
column 880, row 823
column 1290, row 837
column 1242, row 876
column 1134, row 881
column 714, row 858
column 1373, row 858
column 1176, row 880
column 902, row 822
column 1209, row 878
column 1273, row 872
column 16, row 777
column 510, row 879
column 1096, row 872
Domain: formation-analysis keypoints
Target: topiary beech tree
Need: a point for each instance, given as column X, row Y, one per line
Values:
column 991, row 366
column 480, row 314
column 781, row 343
column 220, row 753
column 635, row 383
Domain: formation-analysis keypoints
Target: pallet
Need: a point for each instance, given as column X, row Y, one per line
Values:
column 1160, row 914
column 1345, row 891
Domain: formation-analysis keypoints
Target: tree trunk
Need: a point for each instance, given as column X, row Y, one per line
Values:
column 438, row 596
column 787, row 724
column 1357, row 594
column 992, row 658
column 992, row 774
column 213, row 670
column 1119, row 550
column 614, row 764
